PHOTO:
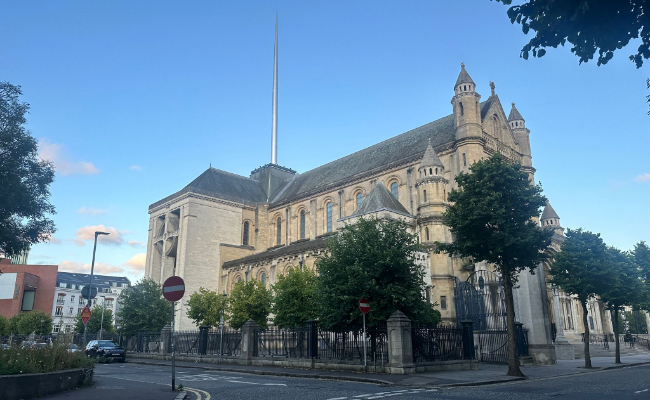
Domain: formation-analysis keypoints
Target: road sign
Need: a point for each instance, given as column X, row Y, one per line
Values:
column 174, row 288
column 86, row 314
column 364, row 306
column 84, row 292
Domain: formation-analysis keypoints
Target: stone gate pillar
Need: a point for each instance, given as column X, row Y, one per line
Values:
column 249, row 333
column 400, row 345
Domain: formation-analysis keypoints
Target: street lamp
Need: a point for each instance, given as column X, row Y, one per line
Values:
column 90, row 286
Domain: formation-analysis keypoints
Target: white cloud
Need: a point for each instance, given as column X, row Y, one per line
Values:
column 136, row 263
column 87, row 233
column 100, row 268
column 135, row 168
column 55, row 153
column 91, row 211
column 53, row 240
column 136, row 243
column 643, row 177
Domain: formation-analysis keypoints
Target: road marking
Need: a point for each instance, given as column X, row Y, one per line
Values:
column 197, row 394
column 641, row 391
column 381, row 395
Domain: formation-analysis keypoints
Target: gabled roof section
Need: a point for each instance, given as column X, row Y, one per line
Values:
column 549, row 212
column 222, row 185
column 430, row 158
column 379, row 199
column 463, row 77
column 514, row 114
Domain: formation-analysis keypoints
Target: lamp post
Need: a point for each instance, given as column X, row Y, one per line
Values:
column 222, row 323
column 90, row 286
column 101, row 324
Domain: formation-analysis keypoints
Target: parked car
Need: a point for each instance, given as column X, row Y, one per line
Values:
column 5, row 346
column 73, row 348
column 107, row 349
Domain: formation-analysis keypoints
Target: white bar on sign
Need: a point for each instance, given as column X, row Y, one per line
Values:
column 364, row 304
column 174, row 288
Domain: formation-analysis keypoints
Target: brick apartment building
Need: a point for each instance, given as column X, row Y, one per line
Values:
column 26, row 287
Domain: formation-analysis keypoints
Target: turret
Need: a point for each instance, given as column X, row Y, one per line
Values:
column 521, row 134
column 432, row 188
column 550, row 219
column 467, row 112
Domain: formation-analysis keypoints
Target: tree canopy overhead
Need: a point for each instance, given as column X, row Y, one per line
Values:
column 206, row 307
column 95, row 322
column 249, row 300
column 590, row 26
column 295, row 300
column 143, row 307
column 24, row 179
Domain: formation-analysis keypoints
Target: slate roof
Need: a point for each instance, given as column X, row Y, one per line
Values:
column 296, row 247
column 99, row 281
column 379, row 199
column 549, row 212
column 222, row 185
column 514, row 114
column 430, row 158
column 463, row 77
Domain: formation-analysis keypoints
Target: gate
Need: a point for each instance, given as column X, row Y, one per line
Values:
column 481, row 299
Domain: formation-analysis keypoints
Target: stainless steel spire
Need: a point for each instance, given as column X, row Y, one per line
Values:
column 274, row 139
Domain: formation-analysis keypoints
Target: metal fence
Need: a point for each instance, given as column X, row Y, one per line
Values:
column 493, row 345
column 277, row 342
column 186, row 342
column 226, row 342
column 349, row 345
column 441, row 343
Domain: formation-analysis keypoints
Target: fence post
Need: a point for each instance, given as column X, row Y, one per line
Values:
column 312, row 338
column 203, row 339
column 468, row 339
column 165, row 339
column 249, row 339
column 140, row 343
column 400, row 344
column 519, row 338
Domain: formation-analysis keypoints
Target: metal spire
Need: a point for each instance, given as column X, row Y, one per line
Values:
column 274, row 139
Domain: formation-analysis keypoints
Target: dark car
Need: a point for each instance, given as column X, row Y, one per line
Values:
column 105, row 348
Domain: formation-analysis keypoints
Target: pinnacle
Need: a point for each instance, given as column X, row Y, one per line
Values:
column 514, row 114
column 463, row 77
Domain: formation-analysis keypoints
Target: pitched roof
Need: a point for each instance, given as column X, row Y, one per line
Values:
column 463, row 77
column 379, row 199
column 430, row 158
column 549, row 212
column 222, row 185
column 514, row 114
column 296, row 247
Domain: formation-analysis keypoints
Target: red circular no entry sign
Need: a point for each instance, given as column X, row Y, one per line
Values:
column 174, row 288
column 364, row 306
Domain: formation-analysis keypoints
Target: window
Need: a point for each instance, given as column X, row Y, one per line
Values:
column 71, row 310
column 464, row 160
column 81, row 300
column 71, row 299
column 394, row 189
column 462, row 109
column 436, row 171
column 59, row 311
column 246, row 229
column 238, row 279
column 62, row 285
column 263, row 279
column 443, row 302
column 591, row 322
column 56, row 328
column 79, row 310
column 425, row 195
column 60, row 299
column 426, row 233
column 430, row 171
column 109, row 303
column 359, row 199
column 278, row 231
column 302, row 224
column 329, row 217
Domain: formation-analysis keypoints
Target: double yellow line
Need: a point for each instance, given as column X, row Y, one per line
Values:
column 200, row 394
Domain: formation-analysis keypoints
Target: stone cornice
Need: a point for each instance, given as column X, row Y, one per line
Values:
column 189, row 195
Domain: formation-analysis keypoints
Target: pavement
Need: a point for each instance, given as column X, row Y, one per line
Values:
column 486, row 374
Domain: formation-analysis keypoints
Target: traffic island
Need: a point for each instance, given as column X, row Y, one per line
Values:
column 29, row 386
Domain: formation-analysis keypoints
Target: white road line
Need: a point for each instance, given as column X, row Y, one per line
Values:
column 338, row 398
column 641, row 391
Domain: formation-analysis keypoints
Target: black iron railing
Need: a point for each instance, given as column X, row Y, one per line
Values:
column 277, row 342
column 186, row 342
column 441, row 343
column 226, row 342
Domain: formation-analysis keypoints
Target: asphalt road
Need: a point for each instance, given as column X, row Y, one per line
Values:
column 618, row 384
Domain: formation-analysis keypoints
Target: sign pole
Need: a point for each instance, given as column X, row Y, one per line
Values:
column 173, row 290
column 365, row 361
column 173, row 352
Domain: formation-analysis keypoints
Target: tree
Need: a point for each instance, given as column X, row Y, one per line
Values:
column 641, row 257
column 295, row 300
column 33, row 321
column 143, row 307
column 636, row 322
column 624, row 288
column 4, row 326
column 591, row 26
column 206, row 307
column 376, row 260
column 249, row 300
column 95, row 321
column 24, row 179
column 580, row 269
column 493, row 218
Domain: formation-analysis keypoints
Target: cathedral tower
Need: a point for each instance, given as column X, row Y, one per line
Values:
column 522, row 135
column 467, row 122
column 432, row 189
column 551, row 220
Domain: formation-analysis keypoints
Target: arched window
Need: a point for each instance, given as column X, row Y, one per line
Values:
column 424, row 192
column 359, row 199
column 436, row 171
column 302, row 224
column 426, row 233
column 462, row 109
column 263, row 278
column 464, row 160
column 394, row 189
column 278, row 233
column 246, row 230
column 430, row 171
column 238, row 279
column 329, row 217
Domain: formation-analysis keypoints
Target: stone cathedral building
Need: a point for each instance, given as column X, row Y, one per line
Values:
column 223, row 228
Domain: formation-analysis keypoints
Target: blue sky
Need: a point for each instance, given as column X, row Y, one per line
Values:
column 133, row 100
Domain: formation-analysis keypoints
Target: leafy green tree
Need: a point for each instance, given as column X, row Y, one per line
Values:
column 376, row 260
column 4, row 326
column 641, row 257
column 34, row 321
column 206, row 307
column 295, row 300
column 493, row 218
column 24, row 179
column 95, row 321
column 636, row 322
column 249, row 300
column 580, row 269
column 13, row 323
column 143, row 307
column 624, row 288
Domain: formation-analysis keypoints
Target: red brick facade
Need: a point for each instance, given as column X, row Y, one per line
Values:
column 40, row 278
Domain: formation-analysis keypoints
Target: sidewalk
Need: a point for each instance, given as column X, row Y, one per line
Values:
column 486, row 374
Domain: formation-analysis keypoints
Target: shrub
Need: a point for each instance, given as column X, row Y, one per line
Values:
column 54, row 357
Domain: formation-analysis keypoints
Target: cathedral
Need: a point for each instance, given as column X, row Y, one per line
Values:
column 223, row 228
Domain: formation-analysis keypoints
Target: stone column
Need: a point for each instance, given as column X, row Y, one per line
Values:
column 400, row 346
column 563, row 349
column 249, row 340
column 165, row 339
